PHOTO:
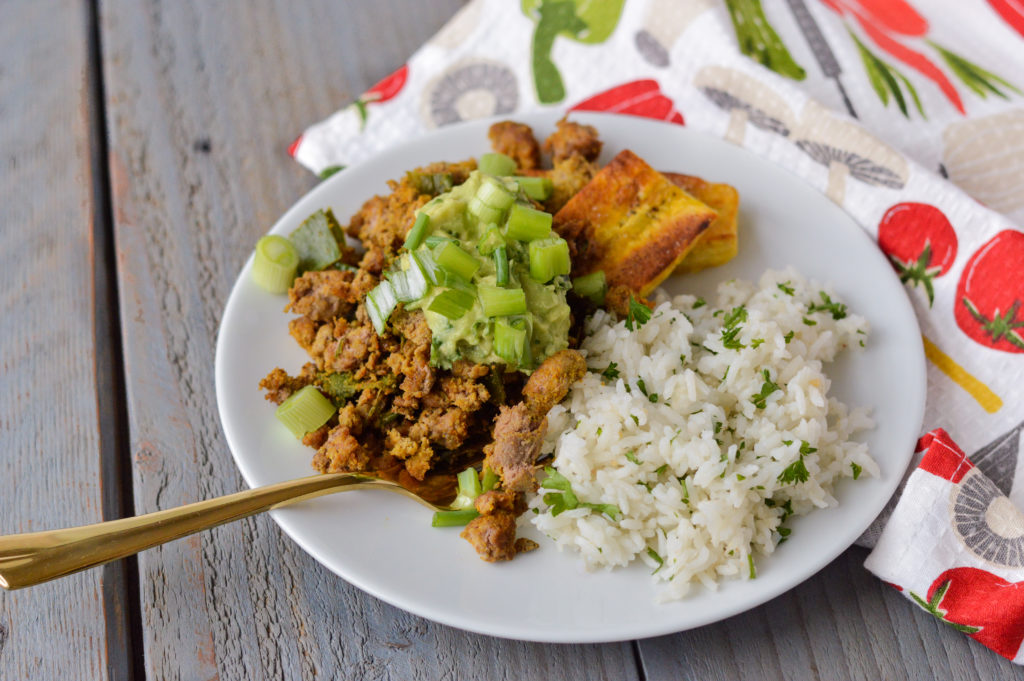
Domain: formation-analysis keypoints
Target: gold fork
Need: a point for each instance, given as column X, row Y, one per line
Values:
column 37, row 557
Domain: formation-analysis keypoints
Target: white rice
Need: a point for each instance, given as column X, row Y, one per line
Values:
column 705, row 499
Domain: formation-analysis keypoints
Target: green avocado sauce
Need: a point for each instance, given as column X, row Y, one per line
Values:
column 472, row 335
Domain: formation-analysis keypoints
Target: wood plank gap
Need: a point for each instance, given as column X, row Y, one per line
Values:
column 121, row 602
column 641, row 674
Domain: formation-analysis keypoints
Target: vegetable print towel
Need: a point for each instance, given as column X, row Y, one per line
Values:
column 908, row 115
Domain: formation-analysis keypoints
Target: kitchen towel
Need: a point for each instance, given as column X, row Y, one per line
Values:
column 909, row 116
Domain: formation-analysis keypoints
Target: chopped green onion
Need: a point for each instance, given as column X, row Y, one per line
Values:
column 527, row 224
column 502, row 302
column 318, row 241
column 453, row 518
column 435, row 240
column 430, row 183
column 549, row 258
column 484, row 213
column 424, row 260
column 494, row 194
column 496, row 164
column 501, row 265
column 453, row 259
column 451, row 303
column 490, row 480
column 275, row 263
column 380, row 303
column 418, row 232
column 490, row 240
column 510, row 341
column 591, row 286
column 469, row 489
column 408, row 281
column 305, row 411
column 537, row 188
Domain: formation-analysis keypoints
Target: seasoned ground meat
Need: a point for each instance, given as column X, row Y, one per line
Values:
column 493, row 501
column 341, row 453
column 279, row 386
column 567, row 178
column 517, row 141
column 493, row 536
column 323, row 296
column 517, row 439
column 573, row 139
column 550, row 383
column 519, row 430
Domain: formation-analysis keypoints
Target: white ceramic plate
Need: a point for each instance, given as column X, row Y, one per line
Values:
column 384, row 544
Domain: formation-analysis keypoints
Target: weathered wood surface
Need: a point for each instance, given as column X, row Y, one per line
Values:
column 841, row 624
column 203, row 99
column 49, row 422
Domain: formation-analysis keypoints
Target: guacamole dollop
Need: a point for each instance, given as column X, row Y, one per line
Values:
column 471, row 336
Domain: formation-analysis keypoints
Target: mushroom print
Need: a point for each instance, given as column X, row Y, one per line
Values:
column 665, row 21
column 469, row 89
column 987, row 522
column 746, row 100
column 847, row 150
column 985, row 157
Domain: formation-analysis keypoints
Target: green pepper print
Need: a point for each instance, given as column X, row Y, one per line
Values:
column 585, row 21
column 759, row 41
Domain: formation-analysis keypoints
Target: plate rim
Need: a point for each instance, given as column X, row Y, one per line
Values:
column 547, row 118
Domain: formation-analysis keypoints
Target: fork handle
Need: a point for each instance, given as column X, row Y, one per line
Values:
column 37, row 557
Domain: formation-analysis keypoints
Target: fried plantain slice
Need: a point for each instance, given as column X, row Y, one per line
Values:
column 632, row 223
column 720, row 241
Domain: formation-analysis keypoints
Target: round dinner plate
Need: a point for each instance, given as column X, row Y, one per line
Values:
column 384, row 544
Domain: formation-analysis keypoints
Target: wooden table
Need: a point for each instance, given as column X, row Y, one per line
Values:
column 142, row 152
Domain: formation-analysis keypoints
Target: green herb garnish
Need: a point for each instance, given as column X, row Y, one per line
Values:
column 837, row 310
column 639, row 314
column 656, row 558
column 786, row 288
column 767, row 388
column 565, row 500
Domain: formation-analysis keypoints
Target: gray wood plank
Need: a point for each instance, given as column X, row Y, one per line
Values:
column 49, row 432
column 203, row 99
column 841, row 624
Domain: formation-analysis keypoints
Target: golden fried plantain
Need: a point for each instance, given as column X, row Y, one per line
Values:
column 720, row 241
column 632, row 223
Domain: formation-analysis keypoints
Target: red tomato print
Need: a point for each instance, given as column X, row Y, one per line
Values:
column 984, row 606
column 1012, row 12
column 637, row 98
column 920, row 242
column 294, row 146
column 388, row 87
column 991, row 291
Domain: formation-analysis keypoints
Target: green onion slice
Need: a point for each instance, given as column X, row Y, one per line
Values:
column 408, row 280
column 501, row 265
column 453, row 259
column 549, row 258
column 502, row 302
column 451, row 303
column 494, row 194
column 537, row 188
column 527, row 224
column 453, row 518
column 484, row 213
column 434, row 240
column 490, row 480
column 305, row 411
column 380, row 303
column 418, row 232
column 592, row 286
column 491, row 239
column 469, row 489
column 496, row 164
column 275, row 263
column 510, row 342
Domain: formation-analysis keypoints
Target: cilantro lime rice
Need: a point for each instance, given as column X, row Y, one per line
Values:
column 697, row 434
